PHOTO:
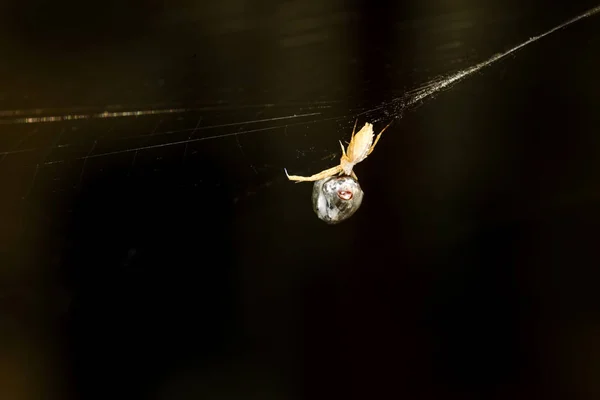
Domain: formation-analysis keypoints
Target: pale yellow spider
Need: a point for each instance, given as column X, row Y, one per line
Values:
column 360, row 147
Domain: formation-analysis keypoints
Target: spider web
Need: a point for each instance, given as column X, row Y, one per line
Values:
column 57, row 149
column 239, row 149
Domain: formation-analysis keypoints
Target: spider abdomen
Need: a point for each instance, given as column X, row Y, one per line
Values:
column 336, row 198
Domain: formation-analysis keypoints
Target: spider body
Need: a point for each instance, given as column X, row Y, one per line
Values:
column 337, row 195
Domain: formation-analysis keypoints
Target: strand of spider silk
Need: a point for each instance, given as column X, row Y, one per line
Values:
column 105, row 114
column 466, row 72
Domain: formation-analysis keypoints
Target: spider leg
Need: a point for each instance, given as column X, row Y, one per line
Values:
column 354, row 175
column 343, row 150
column 354, row 129
column 317, row 177
column 377, row 139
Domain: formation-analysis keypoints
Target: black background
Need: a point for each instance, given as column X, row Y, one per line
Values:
column 133, row 266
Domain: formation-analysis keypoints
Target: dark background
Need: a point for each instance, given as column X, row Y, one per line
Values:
column 135, row 266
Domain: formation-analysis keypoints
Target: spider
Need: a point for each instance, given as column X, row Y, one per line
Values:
column 360, row 147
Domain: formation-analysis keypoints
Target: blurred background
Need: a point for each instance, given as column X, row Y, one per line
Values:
column 166, row 256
